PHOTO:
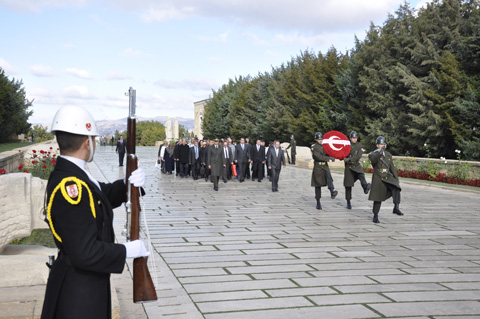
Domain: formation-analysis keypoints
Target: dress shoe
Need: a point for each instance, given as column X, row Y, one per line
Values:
column 367, row 188
column 259, row 180
column 273, row 190
column 334, row 194
column 396, row 210
column 319, row 206
column 375, row 219
column 215, row 188
column 349, row 206
column 253, row 179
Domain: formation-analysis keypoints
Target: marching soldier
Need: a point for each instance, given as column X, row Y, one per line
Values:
column 354, row 169
column 385, row 182
column 321, row 175
column 80, row 215
column 293, row 147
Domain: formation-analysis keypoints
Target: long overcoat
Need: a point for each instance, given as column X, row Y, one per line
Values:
column 384, row 172
column 81, row 218
column 215, row 159
column 320, row 166
column 354, row 165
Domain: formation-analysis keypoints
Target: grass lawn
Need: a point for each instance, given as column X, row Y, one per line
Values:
column 42, row 237
column 10, row 146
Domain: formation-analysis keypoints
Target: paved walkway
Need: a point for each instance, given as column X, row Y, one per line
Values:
column 245, row 252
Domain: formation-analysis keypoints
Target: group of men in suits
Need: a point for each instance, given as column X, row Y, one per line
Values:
column 212, row 159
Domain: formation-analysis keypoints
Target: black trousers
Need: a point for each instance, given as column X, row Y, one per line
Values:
column 393, row 191
column 363, row 182
column 195, row 169
column 227, row 172
column 275, row 177
column 215, row 181
column 257, row 170
column 242, row 171
column 121, row 156
column 183, row 169
column 293, row 158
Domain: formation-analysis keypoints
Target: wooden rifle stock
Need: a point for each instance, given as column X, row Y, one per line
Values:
column 143, row 288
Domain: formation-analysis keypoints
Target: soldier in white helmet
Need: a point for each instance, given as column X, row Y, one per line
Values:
column 80, row 214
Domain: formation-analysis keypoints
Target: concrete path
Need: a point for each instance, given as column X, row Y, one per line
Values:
column 245, row 252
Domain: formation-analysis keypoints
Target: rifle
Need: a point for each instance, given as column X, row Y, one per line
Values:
column 143, row 288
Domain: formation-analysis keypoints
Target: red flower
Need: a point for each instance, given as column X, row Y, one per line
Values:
column 20, row 167
column 53, row 161
column 34, row 151
column 51, row 148
column 25, row 171
column 19, row 151
column 44, row 166
column 3, row 171
column 33, row 162
column 53, row 164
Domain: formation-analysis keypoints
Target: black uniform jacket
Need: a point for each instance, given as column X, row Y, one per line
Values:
column 80, row 216
column 383, row 172
column 320, row 166
column 121, row 147
column 353, row 165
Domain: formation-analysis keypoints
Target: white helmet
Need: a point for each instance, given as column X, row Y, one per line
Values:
column 75, row 120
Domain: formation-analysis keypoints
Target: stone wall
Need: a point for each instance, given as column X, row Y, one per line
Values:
column 21, row 206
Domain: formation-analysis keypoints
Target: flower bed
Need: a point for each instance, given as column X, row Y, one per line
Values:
column 41, row 163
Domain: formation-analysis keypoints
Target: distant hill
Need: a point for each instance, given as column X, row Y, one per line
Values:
column 108, row 127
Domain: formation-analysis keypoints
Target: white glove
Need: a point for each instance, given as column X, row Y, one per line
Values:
column 137, row 178
column 136, row 249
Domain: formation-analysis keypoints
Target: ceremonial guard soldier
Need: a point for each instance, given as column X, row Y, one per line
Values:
column 215, row 163
column 321, row 175
column 354, row 169
column 385, row 182
column 293, row 148
column 80, row 215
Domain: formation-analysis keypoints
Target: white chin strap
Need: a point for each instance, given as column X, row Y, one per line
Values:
column 90, row 157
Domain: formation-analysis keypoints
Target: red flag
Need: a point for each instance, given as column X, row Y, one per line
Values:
column 336, row 144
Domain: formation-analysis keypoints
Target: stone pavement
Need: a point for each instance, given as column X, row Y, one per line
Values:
column 245, row 252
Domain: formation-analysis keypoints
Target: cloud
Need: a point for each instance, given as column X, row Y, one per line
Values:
column 77, row 92
column 188, row 84
column 39, row 5
column 116, row 75
column 42, row 70
column 222, row 37
column 9, row 70
column 313, row 15
column 255, row 39
column 129, row 52
column 79, row 73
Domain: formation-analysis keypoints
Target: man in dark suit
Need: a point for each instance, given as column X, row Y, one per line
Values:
column 121, row 150
column 227, row 162
column 276, row 159
column 183, row 152
column 249, row 154
column 215, row 162
column 258, row 160
column 241, row 157
column 194, row 160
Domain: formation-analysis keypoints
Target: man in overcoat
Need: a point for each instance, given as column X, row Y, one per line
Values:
column 215, row 162
column 354, row 169
column 321, row 175
column 121, row 149
column 258, row 160
column 242, row 158
column 276, row 159
column 385, row 183
column 80, row 214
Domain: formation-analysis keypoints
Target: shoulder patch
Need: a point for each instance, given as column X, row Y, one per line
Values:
column 72, row 190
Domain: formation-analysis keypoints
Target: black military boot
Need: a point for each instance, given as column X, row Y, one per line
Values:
column 367, row 188
column 334, row 194
column 375, row 218
column 319, row 206
column 349, row 205
column 396, row 210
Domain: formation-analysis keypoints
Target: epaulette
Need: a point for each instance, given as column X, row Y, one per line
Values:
column 72, row 194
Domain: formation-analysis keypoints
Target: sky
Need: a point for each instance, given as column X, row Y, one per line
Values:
column 172, row 52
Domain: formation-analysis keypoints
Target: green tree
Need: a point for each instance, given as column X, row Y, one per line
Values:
column 148, row 132
column 39, row 133
column 14, row 106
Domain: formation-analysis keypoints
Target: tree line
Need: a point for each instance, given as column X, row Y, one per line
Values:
column 414, row 80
